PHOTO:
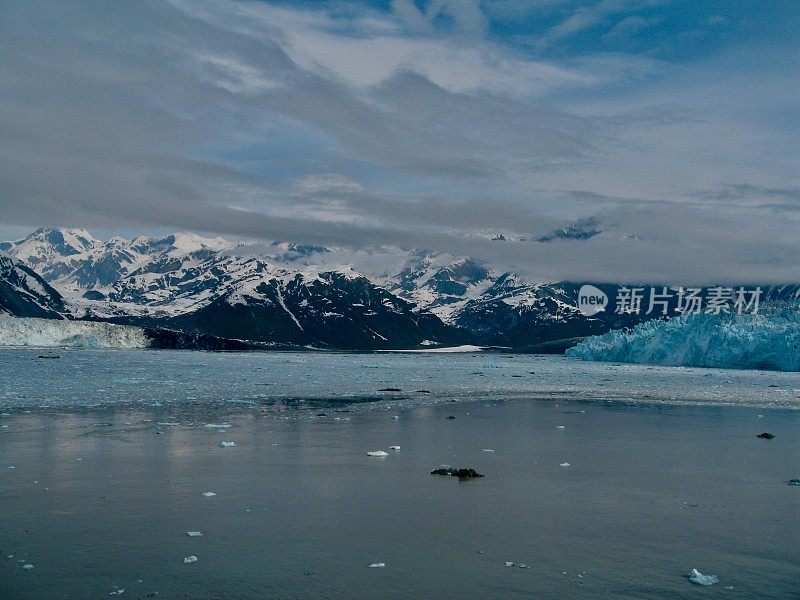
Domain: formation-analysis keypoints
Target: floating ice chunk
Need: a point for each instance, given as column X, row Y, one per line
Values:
column 168, row 424
column 117, row 592
column 697, row 577
column 395, row 417
column 27, row 567
column 217, row 426
column 227, row 444
column 560, row 427
column 190, row 559
column 194, row 533
column 12, row 467
column 377, row 453
column 488, row 450
column 208, row 494
column 516, row 564
column 564, row 465
column 394, row 447
column 377, row 565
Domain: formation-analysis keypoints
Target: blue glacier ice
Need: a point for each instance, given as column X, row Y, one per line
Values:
column 768, row 340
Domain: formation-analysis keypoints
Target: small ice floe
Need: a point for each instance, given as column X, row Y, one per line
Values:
column 516, row 564
column 697, row 577
column 209, row 494
column 395, row 417
column 377, row 565
column 394, row 447
column 168, row 424
column 377, row 453
column 217, row 426
column 194, row 533
column 560, row 427
column 190, row 559
column 227, row 444
column 488, row 450
column 27, row 567
column 117, row 592
column 12, row 467
column 564, row 465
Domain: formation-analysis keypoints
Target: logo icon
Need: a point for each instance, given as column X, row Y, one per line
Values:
column 591, row 300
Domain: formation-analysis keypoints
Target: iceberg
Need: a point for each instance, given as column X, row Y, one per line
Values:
column 47, row 333
column 769, row 340
column 698, row 578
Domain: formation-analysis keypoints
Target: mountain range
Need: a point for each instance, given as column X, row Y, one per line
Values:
column 292, row 294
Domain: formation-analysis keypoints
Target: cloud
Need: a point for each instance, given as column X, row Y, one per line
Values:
column 418, row 127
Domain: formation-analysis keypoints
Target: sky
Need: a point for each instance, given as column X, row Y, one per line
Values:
column 611, row 140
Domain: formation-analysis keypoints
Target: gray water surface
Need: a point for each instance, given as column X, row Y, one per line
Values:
column 100, row 499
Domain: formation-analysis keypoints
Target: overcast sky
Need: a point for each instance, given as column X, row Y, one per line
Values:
column 669, row 127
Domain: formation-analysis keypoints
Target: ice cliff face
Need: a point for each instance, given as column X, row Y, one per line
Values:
column 48, row 333
column 770, row 340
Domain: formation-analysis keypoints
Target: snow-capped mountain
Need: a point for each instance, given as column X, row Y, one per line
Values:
column 24, row 293
column 204, row 285
column 307, row 295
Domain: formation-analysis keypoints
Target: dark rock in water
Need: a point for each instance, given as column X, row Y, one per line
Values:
column 460, row 473
column 390, row 390
column 450, row 417
column 48, row 356
column 765, row 436
column 321, row 414
column 773, row 385
column 793, row 482
column 423, row 392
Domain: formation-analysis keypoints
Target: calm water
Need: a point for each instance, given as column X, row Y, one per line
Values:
column 162, row 379
column 101, row 498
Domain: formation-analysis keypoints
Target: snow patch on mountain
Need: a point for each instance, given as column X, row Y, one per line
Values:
column 770, row 340
column 48, row 333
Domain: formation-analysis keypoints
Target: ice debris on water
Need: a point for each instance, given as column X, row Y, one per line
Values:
column 208, row 494
column 793, row 482
column 516, row 564
column 394, row 447
column 194, row 533
column 377, row 565
column 560, row 427
column 217, row 426
column 117, row 592
column 27, row 567
column 564, row 465
column 697, row 577
column 488, row 450
column 190, row 559
column 227, row 444
column 377, row 453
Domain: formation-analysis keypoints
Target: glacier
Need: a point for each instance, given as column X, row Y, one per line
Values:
column 48, row 333
column 769, row 340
